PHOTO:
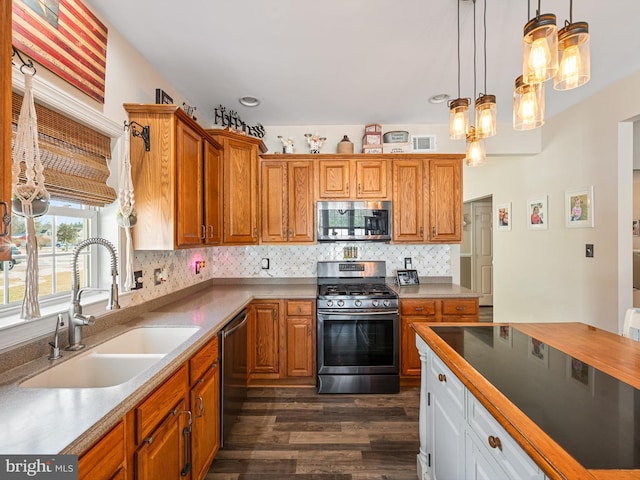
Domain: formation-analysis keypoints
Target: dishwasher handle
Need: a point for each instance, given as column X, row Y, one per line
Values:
column 226, row 333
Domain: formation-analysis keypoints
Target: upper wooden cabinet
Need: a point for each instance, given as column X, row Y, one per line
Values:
column 344, row 178
column 5, row 130
column 213, row 193
column 427, row 199
column 170, row 180
column 241, row 200
column 287, row 201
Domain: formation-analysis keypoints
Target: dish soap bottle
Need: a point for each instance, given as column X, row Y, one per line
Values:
column 345, row 145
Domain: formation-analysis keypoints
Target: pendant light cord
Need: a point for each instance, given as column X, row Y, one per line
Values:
column 459, row 48
column 485, row 45
column 474, row 49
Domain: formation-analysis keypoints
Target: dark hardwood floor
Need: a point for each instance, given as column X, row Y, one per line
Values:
column 298, row 434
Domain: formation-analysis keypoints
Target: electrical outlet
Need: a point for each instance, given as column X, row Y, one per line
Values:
column 408, row 263
column 588, row 250
column 200, row 264
column 137, row 276
column 264, row 263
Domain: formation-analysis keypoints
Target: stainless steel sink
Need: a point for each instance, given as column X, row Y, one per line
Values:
column 115, row 361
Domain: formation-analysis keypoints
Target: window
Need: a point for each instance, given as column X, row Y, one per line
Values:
column 58, row 233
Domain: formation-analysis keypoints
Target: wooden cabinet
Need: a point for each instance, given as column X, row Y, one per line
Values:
column 287, row 201
column 106, row 459
column 213, row 196
column 241, row 200
column 172, row 180
column 281, row 339
column 300, row 337
column 419, row 310
column 204, row 403
column 342, row 177
column 5, row 130
column 263, row 339
column 427, row 199
column 162, row 430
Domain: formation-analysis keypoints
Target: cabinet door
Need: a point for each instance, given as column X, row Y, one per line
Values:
column 410, row 364
column 205, row 436
column 445, row 200
column 189, row 185
column 408, row 216
column 212, row 194
column 479, row 465
column 162, row 452
column 372, row 179
column 300, row 219
column 300, row 342
column 263, row 336
column 241, row 193
column 274, row 193
column 106, row 457
column 333, row 177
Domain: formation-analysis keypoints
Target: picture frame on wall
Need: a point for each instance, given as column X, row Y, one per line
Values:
column 163, row 97
column 503, row 216
column 537, row 214
column 636, row 228
column 578, row 207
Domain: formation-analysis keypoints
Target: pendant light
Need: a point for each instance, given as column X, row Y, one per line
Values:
column 574, row 59
column 485, row 105
column 476, row 155
column 528, row 105
column 459, row 108
column 540, row 48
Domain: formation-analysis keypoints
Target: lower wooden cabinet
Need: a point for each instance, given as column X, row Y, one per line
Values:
column 281, row 339
column 106, row 459
column 418, row 310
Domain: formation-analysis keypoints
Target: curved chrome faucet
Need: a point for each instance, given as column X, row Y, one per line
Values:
column 76, row 319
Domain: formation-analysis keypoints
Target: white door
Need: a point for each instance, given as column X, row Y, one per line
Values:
column 482, row 269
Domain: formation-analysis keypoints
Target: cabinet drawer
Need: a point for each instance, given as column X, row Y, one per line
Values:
column 445, row 384
column 155, row 407
column 102, row 460
column 509, row 455
column 203, row 359
column 460, row 307
column 302, row 307
column 418, row 307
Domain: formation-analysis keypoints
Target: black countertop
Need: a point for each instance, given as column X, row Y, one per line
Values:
column 592, row 415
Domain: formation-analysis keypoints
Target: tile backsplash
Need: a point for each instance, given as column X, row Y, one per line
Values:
column 285, row 261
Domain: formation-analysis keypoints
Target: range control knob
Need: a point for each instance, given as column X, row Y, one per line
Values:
column 358, row 303
column 329, row 303
column 375, row 302
column 341, row 303
column 385, row 302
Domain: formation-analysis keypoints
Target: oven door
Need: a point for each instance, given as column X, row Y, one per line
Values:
column 357, row 343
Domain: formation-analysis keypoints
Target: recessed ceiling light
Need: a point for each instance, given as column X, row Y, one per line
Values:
column 249, row 101
column 439, row 98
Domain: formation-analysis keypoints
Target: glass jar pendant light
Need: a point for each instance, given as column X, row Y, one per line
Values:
column 485, row 105
column 476, row 155
column 540, row 48
column 574, row 58
column 528, row 105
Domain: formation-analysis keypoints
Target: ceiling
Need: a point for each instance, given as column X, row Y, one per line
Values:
column 358, row 61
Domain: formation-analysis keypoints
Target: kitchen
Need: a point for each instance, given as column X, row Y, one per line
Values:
column 595, row 291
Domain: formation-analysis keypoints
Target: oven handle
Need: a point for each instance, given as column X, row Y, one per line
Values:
column 358, row 314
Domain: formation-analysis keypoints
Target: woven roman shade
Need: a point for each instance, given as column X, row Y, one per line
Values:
column 74, row 157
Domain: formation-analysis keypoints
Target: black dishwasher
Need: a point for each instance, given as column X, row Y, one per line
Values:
column 233, row 339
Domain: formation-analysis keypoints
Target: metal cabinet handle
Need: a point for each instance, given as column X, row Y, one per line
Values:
column 460, row 309
column 6, row 219
column 211, row 231
column 204, row 232
column 186, row 434
column 433, row 231
column 148, row 440
column 201, row 407
column 494, row 442
column 419, row 309
column 421, row 232
column 442, row 377
column 359, row 189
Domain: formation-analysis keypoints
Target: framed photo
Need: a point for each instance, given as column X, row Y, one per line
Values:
column 162, row 97
column 408, row 277
column 636, row 228
column 578, row 207
column 503, row 216
column 537, row 215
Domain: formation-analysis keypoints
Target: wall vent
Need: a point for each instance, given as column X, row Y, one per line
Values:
column 423, row 143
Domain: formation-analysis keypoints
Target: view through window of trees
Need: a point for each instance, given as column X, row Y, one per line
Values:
column 58, row 233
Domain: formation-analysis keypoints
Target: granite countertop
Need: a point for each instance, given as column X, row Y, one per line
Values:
column 69, row 420
column 434, row 290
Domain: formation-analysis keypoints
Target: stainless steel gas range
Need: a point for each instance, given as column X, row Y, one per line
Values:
column 358, row 332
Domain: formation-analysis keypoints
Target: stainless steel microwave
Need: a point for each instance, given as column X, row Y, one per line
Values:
column 354, row 221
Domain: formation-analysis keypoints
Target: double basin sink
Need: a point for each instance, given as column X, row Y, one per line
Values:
column 115, row 361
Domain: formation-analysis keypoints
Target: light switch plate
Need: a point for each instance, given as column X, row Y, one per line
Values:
column 588, row 251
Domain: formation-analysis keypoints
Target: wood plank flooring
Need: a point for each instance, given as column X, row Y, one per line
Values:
column 298, row 434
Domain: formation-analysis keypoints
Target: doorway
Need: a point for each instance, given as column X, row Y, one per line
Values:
column 476, row 251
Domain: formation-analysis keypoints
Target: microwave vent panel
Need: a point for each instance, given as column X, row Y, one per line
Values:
column 423, row 143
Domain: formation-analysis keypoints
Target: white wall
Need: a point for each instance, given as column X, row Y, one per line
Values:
column 543, row 276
